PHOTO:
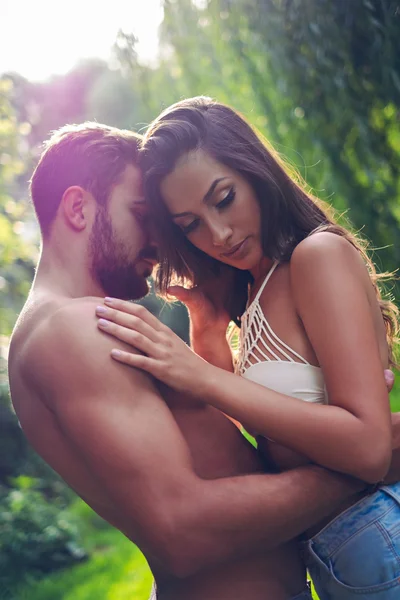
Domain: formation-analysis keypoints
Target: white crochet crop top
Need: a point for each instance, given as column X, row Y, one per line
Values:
column 265, row 359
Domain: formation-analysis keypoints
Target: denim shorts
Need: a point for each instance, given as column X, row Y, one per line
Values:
column 357, row 555
column 306, row 595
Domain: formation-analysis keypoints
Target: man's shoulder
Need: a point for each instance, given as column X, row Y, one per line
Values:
column 65, row 344
column 62, row 326
column 81, row 350
column 73, row 325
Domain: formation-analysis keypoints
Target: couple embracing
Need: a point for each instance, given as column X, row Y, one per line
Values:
column 136, row 421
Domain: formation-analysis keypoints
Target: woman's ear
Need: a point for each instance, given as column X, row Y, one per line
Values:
column 74, row 207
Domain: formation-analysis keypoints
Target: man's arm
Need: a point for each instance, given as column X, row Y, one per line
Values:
column 393, row 474
column 124, row 432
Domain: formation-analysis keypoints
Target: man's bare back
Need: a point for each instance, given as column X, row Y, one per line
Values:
column 217, row 448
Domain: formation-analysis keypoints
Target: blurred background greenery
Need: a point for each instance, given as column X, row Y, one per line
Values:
column 320, row 78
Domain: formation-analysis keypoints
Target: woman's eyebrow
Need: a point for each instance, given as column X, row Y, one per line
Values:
column 211, row 189
column 206, row 198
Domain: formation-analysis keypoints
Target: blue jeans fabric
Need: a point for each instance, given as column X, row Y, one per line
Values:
column 357, row 555
column 306, row 595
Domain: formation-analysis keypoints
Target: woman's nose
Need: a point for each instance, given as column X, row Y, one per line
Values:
column 221, row 234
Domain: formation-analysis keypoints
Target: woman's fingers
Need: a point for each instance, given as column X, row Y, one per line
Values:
column 136, row 310
column 135, row 360
column 180, row 293
column 133, row 338
column 129, row 321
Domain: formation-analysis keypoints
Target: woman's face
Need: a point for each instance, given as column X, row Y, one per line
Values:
column 216, row 209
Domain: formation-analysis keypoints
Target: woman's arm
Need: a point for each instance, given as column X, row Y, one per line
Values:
column 212, row 347
column 353, row 433
column 208, row 323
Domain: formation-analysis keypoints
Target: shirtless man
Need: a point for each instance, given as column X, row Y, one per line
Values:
column 181, row 483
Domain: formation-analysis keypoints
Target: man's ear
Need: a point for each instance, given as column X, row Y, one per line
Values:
column 74, row 205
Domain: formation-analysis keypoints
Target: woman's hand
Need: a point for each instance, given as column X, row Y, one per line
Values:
column 207, row 303
column 209, row 317
column 208, row 326
column 164, row 354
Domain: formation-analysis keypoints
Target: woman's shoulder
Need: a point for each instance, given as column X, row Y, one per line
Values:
column 323, row 243
column 325, row 263
column 324, row 252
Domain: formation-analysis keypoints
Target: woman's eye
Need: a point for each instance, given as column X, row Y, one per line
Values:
column 186, row 229
column 228, row 199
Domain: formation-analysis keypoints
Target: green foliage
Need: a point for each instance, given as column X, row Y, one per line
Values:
column 338, row 64
column 116, row 569
column 17, row 251
column 13, row 447
column 36, row 536
column 17, row 458
column 395, row 394
column 320, row 79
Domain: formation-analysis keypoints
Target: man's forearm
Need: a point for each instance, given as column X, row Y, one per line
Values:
column 228, row 518
column 396, row 430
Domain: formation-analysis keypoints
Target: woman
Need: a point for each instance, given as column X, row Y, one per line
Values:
column 234, row 224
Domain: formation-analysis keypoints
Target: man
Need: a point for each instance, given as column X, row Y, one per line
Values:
column 181, row 482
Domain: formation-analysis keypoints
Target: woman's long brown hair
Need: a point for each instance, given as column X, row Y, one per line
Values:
column 288, row 212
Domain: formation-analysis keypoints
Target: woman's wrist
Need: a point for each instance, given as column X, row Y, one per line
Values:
column 208, row 339
column 209, row 333
column 209, row 385
column 213, row 349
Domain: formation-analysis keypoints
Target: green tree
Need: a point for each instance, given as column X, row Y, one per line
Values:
column 338, row 65
column 16, row 250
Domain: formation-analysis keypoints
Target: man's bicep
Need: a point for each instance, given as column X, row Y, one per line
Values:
column 113, row 413
column 123, row 431
column 125, row 428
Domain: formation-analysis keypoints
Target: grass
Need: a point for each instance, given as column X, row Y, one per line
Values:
column 116, row 569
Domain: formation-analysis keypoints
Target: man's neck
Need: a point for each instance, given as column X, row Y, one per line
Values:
column 65, row 275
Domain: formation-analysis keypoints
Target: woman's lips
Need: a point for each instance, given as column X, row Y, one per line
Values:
column 236, row 250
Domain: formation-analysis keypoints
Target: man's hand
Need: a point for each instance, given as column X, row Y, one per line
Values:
column 389, row 379
column 396, row 430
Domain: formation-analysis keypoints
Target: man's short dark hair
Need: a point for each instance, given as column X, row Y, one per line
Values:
column 90, row 155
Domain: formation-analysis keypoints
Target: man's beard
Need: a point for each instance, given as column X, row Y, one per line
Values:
column 111, row 265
